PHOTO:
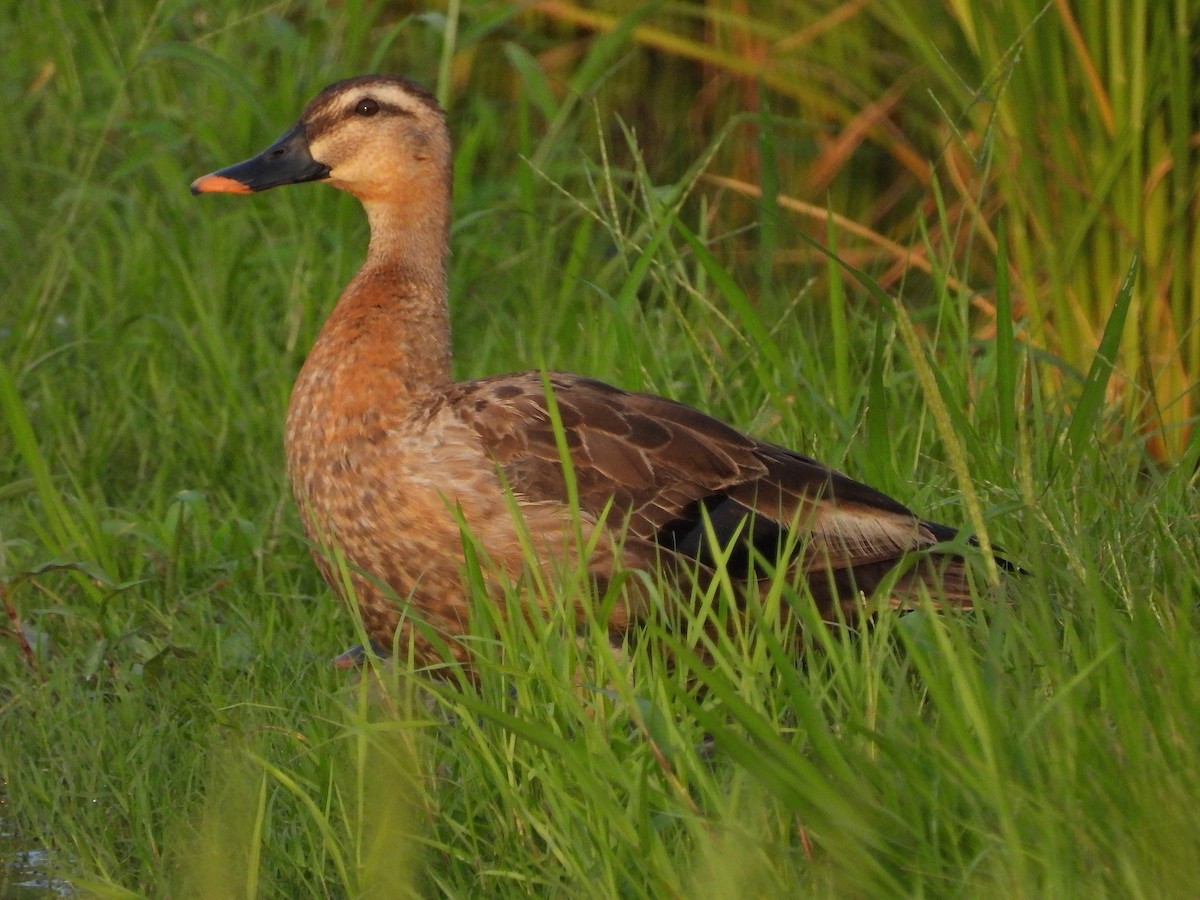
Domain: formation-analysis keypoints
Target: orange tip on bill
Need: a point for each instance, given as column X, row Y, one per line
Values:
column 218, row 184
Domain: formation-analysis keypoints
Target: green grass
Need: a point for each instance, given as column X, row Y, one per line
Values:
column 175, row 727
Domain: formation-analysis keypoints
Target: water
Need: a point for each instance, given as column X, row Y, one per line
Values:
column 27, row 872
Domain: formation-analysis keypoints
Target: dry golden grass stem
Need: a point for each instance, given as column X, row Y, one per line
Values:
column 905, row 255
column 872, row 118
column 1095, row 83
column 833, row 19
column 685, row 48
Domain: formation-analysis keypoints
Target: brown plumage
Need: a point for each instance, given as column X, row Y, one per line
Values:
column 386, row 453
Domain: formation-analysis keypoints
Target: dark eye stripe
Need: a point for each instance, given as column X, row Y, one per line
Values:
column 393, row 110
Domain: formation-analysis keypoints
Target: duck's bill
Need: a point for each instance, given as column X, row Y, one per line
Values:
column 287, row 161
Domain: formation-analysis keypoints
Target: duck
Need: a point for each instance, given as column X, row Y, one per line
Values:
column 391, row 460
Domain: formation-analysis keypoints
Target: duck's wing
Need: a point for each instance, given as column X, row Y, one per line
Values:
column 676, row 474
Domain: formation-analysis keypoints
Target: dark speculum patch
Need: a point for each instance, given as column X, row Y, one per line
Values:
column 736, row 530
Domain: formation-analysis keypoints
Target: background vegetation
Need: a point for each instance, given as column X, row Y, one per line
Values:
column 640, row 191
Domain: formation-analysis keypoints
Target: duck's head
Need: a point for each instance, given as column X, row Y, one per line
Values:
column 378, row 137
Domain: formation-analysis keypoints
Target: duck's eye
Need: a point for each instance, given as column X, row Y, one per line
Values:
column 366, row 107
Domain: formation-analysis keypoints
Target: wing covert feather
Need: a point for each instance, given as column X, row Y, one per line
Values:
column 666, row 467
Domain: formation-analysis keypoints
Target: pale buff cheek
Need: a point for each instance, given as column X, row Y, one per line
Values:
column 372, row 169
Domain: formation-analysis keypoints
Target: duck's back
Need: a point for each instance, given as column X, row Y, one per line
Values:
column 674, row 481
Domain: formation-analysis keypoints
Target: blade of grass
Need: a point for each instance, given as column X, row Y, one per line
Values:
column 768, row 201
column 1006, row 353
column 1085, row 420
column 839, row 326
column 769, row 356
column 66, row 533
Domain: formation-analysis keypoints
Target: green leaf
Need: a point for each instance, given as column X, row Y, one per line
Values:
column 1085, row 421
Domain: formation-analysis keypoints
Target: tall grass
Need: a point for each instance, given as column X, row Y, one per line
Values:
column 1071, row 132
column 1097, row 108
column 169, row 723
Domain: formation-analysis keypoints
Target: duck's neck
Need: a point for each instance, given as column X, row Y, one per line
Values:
column 390, row 331
column 411, row 242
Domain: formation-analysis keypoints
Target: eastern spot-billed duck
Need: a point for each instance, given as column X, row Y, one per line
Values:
column 387, row 454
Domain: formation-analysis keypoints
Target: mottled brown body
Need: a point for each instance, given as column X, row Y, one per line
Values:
column 386, row 454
